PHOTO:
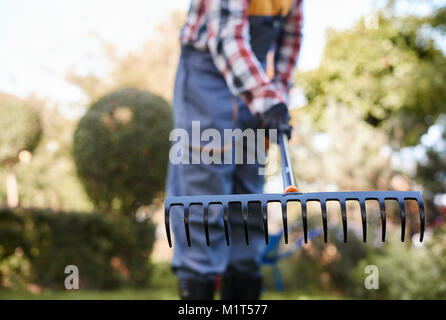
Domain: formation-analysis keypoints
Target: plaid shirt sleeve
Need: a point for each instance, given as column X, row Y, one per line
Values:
column 228, row 42
column 287, row 50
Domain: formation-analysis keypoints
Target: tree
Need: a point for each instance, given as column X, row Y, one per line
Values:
column 394, row 75
column 375, row 89
column 345, row 156
column 431, row 171
column 152, row 68
column 120, row 149
column 20, row 132
column 49, row 180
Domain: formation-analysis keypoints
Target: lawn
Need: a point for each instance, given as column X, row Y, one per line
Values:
column 130, row 294
column 163, row 286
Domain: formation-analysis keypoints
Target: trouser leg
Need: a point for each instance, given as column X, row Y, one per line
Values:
column 238, row 285
column 197, row 265
column 194, row 286
column 242, row 278
column 200, row 95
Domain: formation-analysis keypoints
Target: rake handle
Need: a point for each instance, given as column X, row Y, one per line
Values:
column 287, row 170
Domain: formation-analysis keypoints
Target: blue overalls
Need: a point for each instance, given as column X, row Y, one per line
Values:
column 201, row 94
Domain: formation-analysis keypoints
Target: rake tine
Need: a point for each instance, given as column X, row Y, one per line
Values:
column 226, row 222
column 344, row 218
column 206, row 223
column 167, row 224
column 403, row 218
column 186, row 224
column 304, row 220
column 364, row 219
column 285, row 222
column 324, row 220
column 264, row 208
column 382, row 209
column 245, row 220
column 422, row 218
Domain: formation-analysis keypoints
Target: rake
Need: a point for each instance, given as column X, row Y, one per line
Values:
column 291, row 194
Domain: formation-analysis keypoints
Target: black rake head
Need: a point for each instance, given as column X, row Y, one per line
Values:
column 303, row 198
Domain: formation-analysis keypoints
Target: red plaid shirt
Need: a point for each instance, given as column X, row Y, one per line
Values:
column 222, row 27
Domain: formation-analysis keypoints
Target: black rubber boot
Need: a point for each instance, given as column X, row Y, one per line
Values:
column 240, row 286
column 196, row 288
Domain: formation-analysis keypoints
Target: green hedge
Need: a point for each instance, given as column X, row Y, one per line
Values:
column 110, row 252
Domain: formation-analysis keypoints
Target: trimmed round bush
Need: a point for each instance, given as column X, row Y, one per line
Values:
column 121, row 149
column 20, row 129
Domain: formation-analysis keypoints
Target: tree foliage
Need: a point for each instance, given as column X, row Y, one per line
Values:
column 120, row 149
column 347, row 155
column 152, row 68
column 431, row 172
column 394, row 74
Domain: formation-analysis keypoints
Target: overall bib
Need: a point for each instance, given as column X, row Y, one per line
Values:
column 201, row 94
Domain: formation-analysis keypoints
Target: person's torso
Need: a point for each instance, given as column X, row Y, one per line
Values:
column 265, row 20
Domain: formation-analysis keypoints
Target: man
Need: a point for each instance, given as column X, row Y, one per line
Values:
column 221, row 82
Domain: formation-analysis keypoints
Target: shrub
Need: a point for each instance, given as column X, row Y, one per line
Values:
column 14, row 264
column 327, row 268
column 121, row 149
column 110, row 251
column 20, row 128
column 409, row 272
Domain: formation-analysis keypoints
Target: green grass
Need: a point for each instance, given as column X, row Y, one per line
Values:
column 123, row 294
column 131, row 294
column 163, row 286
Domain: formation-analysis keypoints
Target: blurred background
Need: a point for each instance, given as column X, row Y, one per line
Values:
column 85, row 97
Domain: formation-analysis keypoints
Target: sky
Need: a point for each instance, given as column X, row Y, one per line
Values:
column 40, row 40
